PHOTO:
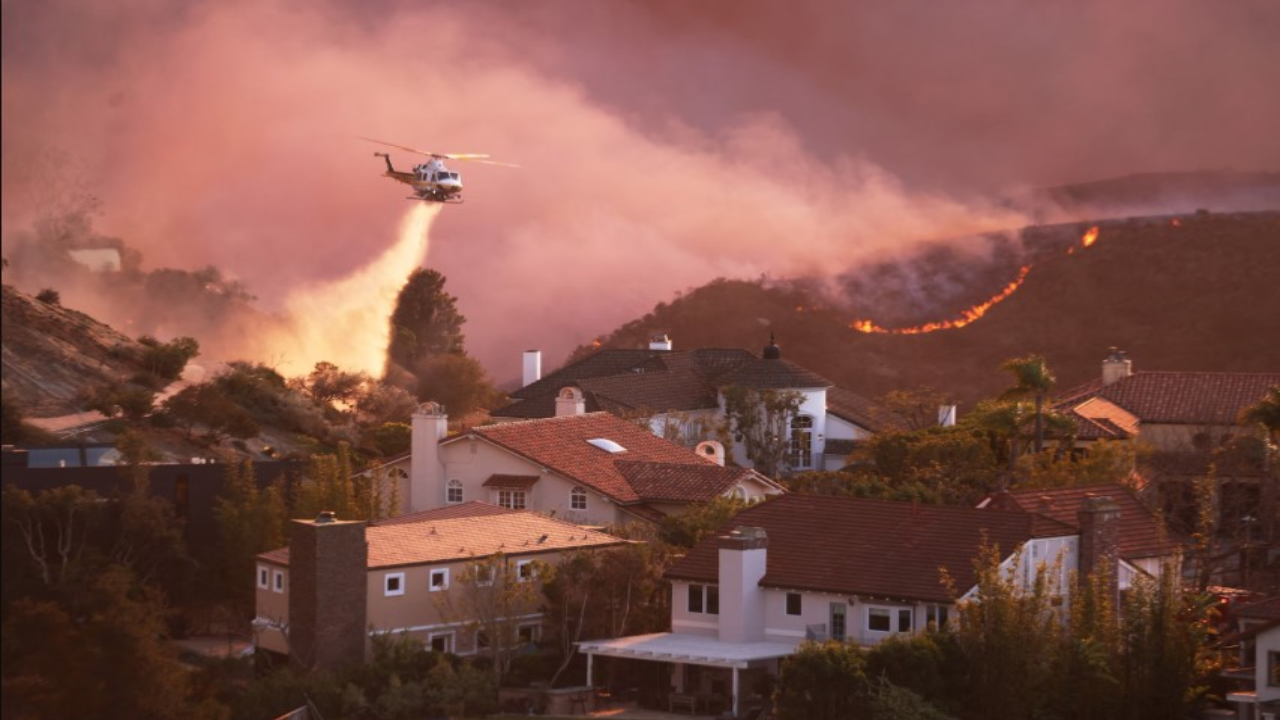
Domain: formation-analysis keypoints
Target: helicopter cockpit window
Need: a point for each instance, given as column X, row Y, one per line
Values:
column 453, row 175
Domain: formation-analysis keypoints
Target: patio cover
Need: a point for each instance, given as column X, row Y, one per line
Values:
column 685, row 648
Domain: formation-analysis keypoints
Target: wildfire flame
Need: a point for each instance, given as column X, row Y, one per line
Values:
column 1090, row 237
column 1175, row 222
column 966, row 317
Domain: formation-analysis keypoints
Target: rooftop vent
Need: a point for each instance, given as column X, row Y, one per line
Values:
column 326, row 517
column 607, row 445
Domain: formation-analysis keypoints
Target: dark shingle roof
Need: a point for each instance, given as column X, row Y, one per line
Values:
column 774, row 373
column 851, row 406
column 1142, row 534
column 870, row 548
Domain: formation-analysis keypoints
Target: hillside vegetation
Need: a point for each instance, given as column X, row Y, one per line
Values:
column 1196, row 292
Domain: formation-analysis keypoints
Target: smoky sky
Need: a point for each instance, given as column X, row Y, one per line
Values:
column 661, row 144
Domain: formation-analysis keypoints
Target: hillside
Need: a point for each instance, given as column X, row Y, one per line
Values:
column 52, row 354
column 1190, row 292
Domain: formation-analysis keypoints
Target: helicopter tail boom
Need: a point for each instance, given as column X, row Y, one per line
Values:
column 386, row 157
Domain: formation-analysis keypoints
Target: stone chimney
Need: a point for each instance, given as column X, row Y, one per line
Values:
column 570, row 401
column 1100, row 540
column 532, row 368
column 946, row 415
column 743, row 559
column 328, row 593
column 426, row 472
column 1117, row 366
column 711, row 450
column 660, row 341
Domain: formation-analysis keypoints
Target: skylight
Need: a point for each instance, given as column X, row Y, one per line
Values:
column 607, row 445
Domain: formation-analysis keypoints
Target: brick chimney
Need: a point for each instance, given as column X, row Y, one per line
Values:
column 743, row 559
column 570, row 402
column 1117, row 366
column 426, row 473
column 328, row 593
column 1100, row 540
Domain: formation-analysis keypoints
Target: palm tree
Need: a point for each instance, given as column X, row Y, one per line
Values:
column 1032, row 378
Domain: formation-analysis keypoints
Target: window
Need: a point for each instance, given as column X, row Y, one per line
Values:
column 484, row 574
column 264, row 579
column 904, row 620
column 801, row 442
column 277, row 584
column 439, row 580
column 878, row 620
column 1273, row 668
column 482, row 640
column 441, row 643
column 524, row 570
column 578, row 499
column 704, row 599
column 838, row 611
column 511, row 499
column 794, row 604
column 937, row 616
column 393, row 584
column 529, row 633
column 453, row 492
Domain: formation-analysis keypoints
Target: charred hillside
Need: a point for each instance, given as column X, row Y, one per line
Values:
column 1191, row 292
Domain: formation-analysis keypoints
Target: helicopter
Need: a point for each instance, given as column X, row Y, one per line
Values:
column 432, row 181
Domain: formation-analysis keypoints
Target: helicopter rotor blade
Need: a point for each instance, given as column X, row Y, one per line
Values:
column 405, row 148
column 470, row 157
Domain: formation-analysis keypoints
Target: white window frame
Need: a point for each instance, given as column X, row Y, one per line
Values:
column 520, row 572
column 507, row 499
column 449, row 489
column 277, row 582
column 448, row 641
column 535, row 632
column 431, row 579
column 578, row 498
column 484, row 573
column 386, row 584
column 786, row 604
column 264, row 577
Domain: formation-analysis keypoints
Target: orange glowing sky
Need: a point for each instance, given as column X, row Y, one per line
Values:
column 662, row 144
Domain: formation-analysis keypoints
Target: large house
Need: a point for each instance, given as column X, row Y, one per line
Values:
column 587, row 468
column 803, row 567
column 681, row 394
column 425, row 575
column 1255, row 671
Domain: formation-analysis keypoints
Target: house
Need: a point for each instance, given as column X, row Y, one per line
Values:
column 803, row 567
column 588, row 468
column 1144, row 540
column 680, row 394
column 1256, row 670
column 426, row 575
column 1169, row 411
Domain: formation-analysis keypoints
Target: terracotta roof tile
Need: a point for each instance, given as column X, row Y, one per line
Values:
column 522, row 482
column 473, row 508
column 870, row 548
column 560, row 444
column 457, row 538
column 1210, row 398
column 1141, row 532
column 655, row 482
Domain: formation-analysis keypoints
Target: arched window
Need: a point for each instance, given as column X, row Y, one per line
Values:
column 453, row 492
column 801, row 442
column 578, row 499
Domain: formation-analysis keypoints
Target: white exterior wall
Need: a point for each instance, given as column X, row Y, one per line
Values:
column 683, row 621
column 742, row 601
column 813, row 405
column 840, row 429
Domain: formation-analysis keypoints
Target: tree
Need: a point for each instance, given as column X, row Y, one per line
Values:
column 167, row 360
column 823, row 681
column 250, row 521
column 698, row 520
column 456, row 381
column 492, row 596
column 910, row 409
column 49, row 296
column 205, row 404
column 425, row 321
column 1266, row 412
column 1032, row 378
column 328, row 384
column 761, row 421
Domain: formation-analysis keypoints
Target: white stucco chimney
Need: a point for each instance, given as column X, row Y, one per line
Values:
column 947, row 415
column 743, row 559
column 532, row 367
column 660, row 342
column 1117, row 366
column 570, row 402
column 711, row 450
column 426, row 473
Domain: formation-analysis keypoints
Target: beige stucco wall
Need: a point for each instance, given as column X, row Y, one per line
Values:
column 271, row 609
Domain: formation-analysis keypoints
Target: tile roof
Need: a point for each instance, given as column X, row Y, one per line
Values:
column 1211, row 398
column 473, row 508
column 519, row 532
column 774, row 373
column 1142, row 535
column 560, row 445
column 656, row 482
column 511, row 481
column 662, row 391
column 851, row 406
column 871, row 548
